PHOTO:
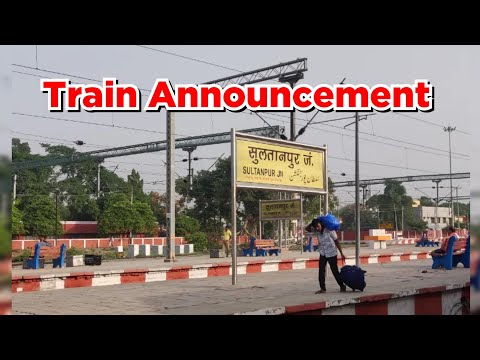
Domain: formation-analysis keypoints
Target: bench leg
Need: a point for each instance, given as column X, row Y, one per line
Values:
column 466, row 260
column 261, row 252
column 456, row 260
column 437, row 262
column 57, row 263
column 448, row 262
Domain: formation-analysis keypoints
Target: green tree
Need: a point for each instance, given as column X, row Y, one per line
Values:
column 146, row 222
column 426, row 201
column 118, row 217
column 5, row 238
column 390, row 205
column 111, row 183
column 158, row 203
column 248, row 211
column 417, row 225
column 368, row 218
column 311, row 202
column 135, row 184
column 185, row 225
column 82, row 208
column 17, row 221
column 211, row 194
column 77, row 185
column 34, row 181
column 5, row 243
column 39, row 217
column 199, row 240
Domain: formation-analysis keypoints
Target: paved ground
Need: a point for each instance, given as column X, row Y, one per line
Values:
column 146, row 263
column 216, row 295
column 475, row 300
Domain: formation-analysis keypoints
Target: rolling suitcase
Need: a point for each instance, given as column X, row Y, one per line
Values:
column 353, row 277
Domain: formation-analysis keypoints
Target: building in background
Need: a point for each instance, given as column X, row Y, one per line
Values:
column 416, row 203
column 429, row 213
column 79, row 229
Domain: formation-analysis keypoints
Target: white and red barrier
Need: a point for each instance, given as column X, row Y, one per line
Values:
column 126, row 276
column 97, row 242
column 440, row 300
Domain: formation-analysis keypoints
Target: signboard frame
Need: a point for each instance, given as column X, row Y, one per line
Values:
column 298, row 189
column 300, row 217
column 284, row 143
column 261, row 215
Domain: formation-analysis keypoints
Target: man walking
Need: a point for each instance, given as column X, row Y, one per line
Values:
column 227, row 238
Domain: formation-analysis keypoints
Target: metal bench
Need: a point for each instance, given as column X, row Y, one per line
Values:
column 43, row 252
column 456, row 252
column 312, row 244
column 261, row 247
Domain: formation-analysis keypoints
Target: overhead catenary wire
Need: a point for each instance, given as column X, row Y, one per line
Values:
column 380, row 142
column 88, row 123
column 272, row 114
column 53, row 142
column 189, row 58
column 95, row 124
column 279, row 115
column 401, row 141
column 386, row 165
column 200, row 61
column 239, row 71
column 427, row 122
column 53, row 138
column 282, row 136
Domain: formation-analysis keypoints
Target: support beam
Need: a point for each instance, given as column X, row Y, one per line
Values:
column 154, row 146
column 357, row 192
column 403, row 179
column 170, row 257
column 98, row 180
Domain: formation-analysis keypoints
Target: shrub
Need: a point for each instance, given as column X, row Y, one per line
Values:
column 25, row 254
column 185, row 225
column 199, row 240
column 74, row 251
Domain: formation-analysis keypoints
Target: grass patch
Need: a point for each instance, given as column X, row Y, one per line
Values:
column 19, row 255
column 106, row 253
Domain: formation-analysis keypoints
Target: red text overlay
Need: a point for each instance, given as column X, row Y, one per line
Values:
column 111, row 96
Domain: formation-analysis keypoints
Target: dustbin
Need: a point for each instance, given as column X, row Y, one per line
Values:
column 93, row 259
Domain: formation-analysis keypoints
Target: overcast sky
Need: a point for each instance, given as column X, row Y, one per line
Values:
column 411, row 146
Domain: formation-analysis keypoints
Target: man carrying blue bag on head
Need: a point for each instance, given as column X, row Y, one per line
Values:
column 325, row 228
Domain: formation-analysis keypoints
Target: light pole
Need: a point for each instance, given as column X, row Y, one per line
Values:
column 357, row 192
column 450, row 129
column 357, row 186
column 458, row 206
column 190, row 170
column 56, row 218
column 436, row 203
column 292, row 80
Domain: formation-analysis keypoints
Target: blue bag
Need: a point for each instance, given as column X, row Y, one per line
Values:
column 330, row 222
column 353, row 277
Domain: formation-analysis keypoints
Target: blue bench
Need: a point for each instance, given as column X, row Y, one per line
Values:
column 57, row 254
column 261, row 247
column 456, row 252
column 424, row 243
column 463, row 258
column 475, row 278
column 312, row 244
